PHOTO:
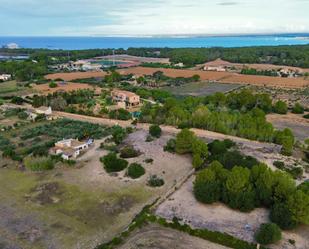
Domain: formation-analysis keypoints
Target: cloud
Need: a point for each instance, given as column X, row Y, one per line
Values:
column 136, row 17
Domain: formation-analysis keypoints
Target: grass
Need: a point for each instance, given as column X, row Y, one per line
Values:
column 79, row 215
column 12, row 88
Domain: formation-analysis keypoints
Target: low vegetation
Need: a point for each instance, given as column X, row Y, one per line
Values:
column 135, row 170
column 38, row 163
column 268, row 233
column 112, row 163
column 155, row 181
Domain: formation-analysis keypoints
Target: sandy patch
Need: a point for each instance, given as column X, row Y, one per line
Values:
column 219, row 217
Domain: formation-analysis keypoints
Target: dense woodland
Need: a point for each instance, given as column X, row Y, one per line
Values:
column 240, row 114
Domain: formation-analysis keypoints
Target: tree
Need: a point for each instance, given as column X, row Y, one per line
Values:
column 298, row 205
column 262, row 179
column 119, row 134
column 298, row 109
column 282, row 216
column 280, row 107
column 200, row 152
column 184, row 140
column 155, row 131
column 52, row 84
column 58, row 103
column 170, row 145
column 268, row 233
column 239, row 192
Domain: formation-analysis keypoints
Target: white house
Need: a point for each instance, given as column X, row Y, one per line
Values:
column 5, row 77
column 70, row 148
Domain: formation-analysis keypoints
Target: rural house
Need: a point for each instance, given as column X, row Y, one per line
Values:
column 127, row 98
column 70, row 148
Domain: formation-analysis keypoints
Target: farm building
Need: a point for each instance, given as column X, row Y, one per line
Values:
column 70, row 148
column 128, row 99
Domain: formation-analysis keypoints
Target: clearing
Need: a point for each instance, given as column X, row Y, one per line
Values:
column 80, row 206
column 201, row 88
column 298, row 124
column 62, row 87
column 218, row 217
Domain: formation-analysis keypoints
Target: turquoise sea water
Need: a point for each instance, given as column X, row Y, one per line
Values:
column 173, row 42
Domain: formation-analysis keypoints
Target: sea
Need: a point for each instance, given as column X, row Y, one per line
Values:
column 78, row 43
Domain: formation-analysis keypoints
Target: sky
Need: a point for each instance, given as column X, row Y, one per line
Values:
column 151, row 17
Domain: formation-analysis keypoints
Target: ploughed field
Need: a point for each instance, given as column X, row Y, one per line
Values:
column 221, row 77
column 67, row 87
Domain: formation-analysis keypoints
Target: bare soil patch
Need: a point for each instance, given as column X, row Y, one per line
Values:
column 223, row 77
column 75, row 75
column 218, row 217
column 298, row 124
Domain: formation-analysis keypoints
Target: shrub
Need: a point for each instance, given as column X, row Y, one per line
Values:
column 52, row 84
column 129, row 152
column 120, row 114
column 306, row 116
column 155, row 181
column 298, row 109
column 135, row 170
column 279, row 164
column 112, row 163
column 38, row 163
column 282, row 216
column 170, row 145
column 268, row 233
column 149, row 139
column 184, row 141
column 148, row 160
column 280, row 107
column 155, row 131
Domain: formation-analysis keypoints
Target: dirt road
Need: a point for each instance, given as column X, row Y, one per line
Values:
column 210, row 135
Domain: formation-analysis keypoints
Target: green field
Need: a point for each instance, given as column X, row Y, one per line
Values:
column 12, row 88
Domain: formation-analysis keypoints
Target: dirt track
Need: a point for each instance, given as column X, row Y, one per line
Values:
column 157, row 237
column 168, row 129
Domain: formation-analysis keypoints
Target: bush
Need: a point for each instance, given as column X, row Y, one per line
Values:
column 52, row 84
column 170, row 146
column 120, row 114
column 306, row 116
column 38, row 163
column 155, row 131
column 148, row 160
column 282, row 216
column 129, row 152
column 298, row 109
column 279, row 164
column 135, row 171
column 155, row 181
column 280, row 107
column 112, row 163
column 268, row 233
column 149, row 139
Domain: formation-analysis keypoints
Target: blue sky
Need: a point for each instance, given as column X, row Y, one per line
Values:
column 151, row 17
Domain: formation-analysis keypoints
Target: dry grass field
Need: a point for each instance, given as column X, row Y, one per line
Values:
column 239, row 66
column 67, row 87
column 223, row 77
column 75, row 75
